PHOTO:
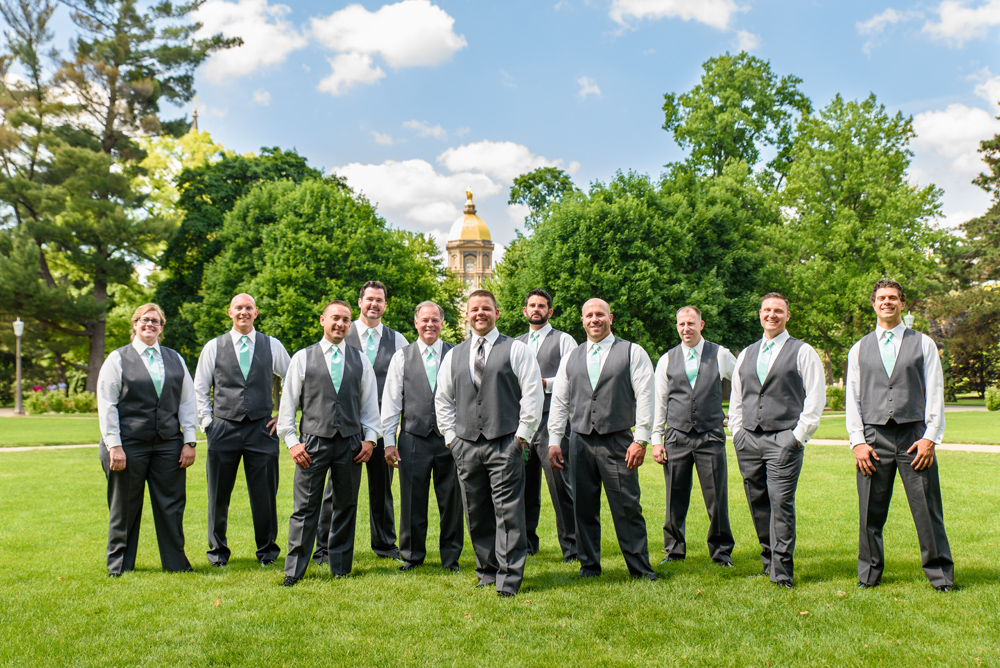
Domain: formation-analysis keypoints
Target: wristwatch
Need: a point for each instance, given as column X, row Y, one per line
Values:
column 643, row 444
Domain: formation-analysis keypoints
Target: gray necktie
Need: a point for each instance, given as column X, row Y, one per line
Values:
column 480, row 367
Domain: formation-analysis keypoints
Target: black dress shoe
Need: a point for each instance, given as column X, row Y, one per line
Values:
column 407, row 566
column 762, row 574
column 787, row 584
column 341, row 576
column 944, row 589
column 266, row 562
column 648, row 576
column 588, row 574
column 571, row 558
column 453, row 568
column 481, row 585
column 865, row 585
column 289, row 581
column 114, row 575
column 671, row 557
column 505, row 594
column 725, row 564
column 219, row 564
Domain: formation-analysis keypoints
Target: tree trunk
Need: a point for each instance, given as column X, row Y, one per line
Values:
column 96, row 332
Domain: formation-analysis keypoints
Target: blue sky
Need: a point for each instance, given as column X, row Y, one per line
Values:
column 416, row 100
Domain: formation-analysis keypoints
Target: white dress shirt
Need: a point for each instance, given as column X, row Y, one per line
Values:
column 392, row 391
column 933, row 387
column 204, row 376
column 566, row 345
column 810, row 368
column 641, row 371
column 528, row 377
column 291, row 392
column 362, row 329
column 109, row 390
column 727, row 365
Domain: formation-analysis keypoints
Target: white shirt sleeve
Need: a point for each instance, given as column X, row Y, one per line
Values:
column 933, row 391
column 109, row 390
column 814, row 379
column 641, row 370
column 727, row 363
column 660, row 400
column 529, row 377
column 401, row 341
column 736, row 396
column 279, row 358
column 187, row 411
column 371, row 421
column 204, row 379
column 291, row 391
column 392, row 399
column 852, row 398
column 566, row 345
column 559, row 409
column 444, row 400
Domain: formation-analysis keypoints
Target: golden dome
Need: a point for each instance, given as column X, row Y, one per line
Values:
column 470, row 226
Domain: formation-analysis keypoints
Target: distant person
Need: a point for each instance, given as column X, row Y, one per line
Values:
column 420, row 453
column 688, row 434
column 147, row 415
column 334, row 386
column 233, row 387
column 779, row 391
column 488, row 403
column 378, row 343
column 549, row 346
column 61, row 386
column 605, row 389
column 895, row 419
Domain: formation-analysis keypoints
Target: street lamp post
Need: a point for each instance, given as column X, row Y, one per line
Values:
column 18, row 402
column 908, row 320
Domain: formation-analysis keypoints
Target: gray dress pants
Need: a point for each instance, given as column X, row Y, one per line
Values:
column 560, row 491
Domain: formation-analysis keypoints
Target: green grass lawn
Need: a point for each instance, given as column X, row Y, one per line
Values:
column 49, row 430
column 59, row 608
column 964, row 427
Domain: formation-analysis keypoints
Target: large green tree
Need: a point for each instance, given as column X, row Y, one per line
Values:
column 851, row 218
column 538, row 189
column 294, row 247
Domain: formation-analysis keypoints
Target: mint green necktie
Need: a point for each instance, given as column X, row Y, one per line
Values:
column 534, row 343
column 691, row 367
column 594, row 365
column 888, row 354
column 430, row 366
column 154, row 370
column 336, row 368
column 371, row 350
column 762, row 360
column 244, row 356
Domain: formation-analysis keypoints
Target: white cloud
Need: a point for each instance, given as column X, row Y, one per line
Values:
column 382, row 139
column 502, row 161
column 261, row 97
column 988, row 87
column 714, row 13
column 587, row 87
column 267, row 37
column 411, row 33
column 507, row 80
column 876, row 25
column 746, row 41
column 959, row 21
column 348, row 69
column 426, row 130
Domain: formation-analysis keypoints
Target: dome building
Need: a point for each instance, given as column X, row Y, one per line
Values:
column 470, row 249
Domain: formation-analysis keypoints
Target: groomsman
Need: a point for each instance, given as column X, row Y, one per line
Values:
column 604, row 388
column 334, row 385
column 688, row 433
column 378, row 343
column 488, row 403
column 779, row 391
column 237, row 369
column 895, row 419
column 548, row 346
column 420, row 452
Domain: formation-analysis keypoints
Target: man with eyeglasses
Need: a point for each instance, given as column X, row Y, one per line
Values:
column 233, row 387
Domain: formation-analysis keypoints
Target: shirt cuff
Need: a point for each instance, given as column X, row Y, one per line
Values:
column 800, row 435
column 449, row 437
column 291, row 440
column 932, row 435
column 389, row 440
column 657, row 439
column 641, row 434
column 524, row 432
column 857, row 437
column 205, row 421
column 549, row 383
column 112, row 441
column 371, row 435
column 190, row 434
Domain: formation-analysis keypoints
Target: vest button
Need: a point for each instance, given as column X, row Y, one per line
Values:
column 890, row 398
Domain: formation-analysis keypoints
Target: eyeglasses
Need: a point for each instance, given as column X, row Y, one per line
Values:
column 150, row 321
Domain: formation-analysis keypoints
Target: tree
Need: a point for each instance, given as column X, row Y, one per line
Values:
column 295, row 247
column 207, row 193
column 538, row 189
column 647, row 249
column 852, row 218
column 739, row 107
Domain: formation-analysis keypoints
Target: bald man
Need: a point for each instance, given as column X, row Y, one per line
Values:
column 605, row 388
column 232, row 387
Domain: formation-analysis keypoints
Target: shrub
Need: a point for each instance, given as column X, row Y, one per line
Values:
column 83, row 402
column 993, row 398
column 36, row 403
column 835, row 397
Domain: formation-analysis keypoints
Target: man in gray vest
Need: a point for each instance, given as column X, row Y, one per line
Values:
column 548, row 346
column 420, row 451
column 488, row 403
column 779, row 391
column 688, row 433
column 237, row 369
column 378, row 343
column 605, row 388
column 335, row 387
column 895, row 418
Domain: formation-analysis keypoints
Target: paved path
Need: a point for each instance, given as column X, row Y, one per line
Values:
column 966, row 447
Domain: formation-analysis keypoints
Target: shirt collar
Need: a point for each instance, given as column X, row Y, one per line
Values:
column 698, row 347
column 542, row 333
column 325, row 346
column 140, row 347
column 422, row 347
column 897, row 331
column 777, row 341
column 605, row 343
column 237, row 336
column 491, row 338
column 363, row 329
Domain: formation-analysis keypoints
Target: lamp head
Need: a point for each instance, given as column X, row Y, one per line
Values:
column 18, row 327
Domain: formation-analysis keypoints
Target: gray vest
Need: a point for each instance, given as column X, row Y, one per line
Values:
column 698, row 409
column 386, row 349
column 418, row 415
column 609, row 407
column 548, row 358
column 494, row 409
column 778, row 405
column 142, row 416
column 898, row 397
column 237, row 397
column 326, row 412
